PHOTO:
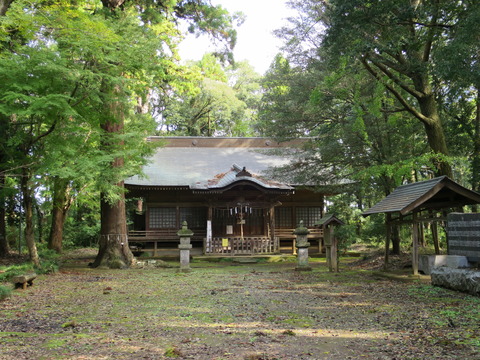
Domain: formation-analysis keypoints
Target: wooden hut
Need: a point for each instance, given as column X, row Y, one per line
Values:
column 420, row 202
column 221, row 187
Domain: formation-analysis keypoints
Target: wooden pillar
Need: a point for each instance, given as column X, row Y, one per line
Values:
column 207, row 241
column 388, row 222
column 320, row 240
column 328, row 246
column 271, row 222
column 333, row 249
column 415, row 244
column 435, row 237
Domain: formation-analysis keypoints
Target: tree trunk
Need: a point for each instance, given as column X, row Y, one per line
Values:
column 434, row 129
column 61, row 205
column 4, row 5
column 29, row 228
column 4, row 249
column 475, row 163
column 40, row 221
column 114, row 250
column 395, row 241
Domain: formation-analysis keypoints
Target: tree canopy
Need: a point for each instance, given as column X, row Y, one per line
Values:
column 387, row 91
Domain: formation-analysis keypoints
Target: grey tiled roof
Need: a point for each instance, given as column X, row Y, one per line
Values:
column 437, row 193
column 198, row 167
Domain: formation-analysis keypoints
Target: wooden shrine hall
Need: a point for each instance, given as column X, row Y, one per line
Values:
column 222, row 188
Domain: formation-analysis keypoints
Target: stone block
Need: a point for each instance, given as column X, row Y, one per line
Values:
column 464, row 280
column 457, row 262
column 428, row 262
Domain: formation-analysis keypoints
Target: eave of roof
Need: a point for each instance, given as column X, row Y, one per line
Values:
column 420, row 195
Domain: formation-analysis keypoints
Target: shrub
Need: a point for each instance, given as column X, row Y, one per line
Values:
column 49, row 260
column 4, row 292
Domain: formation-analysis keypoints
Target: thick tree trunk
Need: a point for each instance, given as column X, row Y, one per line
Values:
column 433, row 126
column 4, row 249
column 61, row 205
column 29, row 228
column 114, row 250
column 55, row 239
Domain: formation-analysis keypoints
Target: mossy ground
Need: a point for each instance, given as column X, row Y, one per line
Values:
column 227, row 310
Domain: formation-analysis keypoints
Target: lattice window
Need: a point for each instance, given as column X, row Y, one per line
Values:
column 162, row 218
column 196, row 217
column 309, row 215
column 283, row 217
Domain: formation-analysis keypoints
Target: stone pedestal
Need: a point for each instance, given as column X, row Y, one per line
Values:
column 302, row 246
column 185, row 233
column 427, row 263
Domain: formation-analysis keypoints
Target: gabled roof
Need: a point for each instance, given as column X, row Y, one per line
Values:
column 328, row 219
column 203, row 163
column 437, row 193
column 235, row 176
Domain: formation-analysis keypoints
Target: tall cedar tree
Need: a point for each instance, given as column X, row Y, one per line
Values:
column 113, row 237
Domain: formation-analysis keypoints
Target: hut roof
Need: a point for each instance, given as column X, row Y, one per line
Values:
column 437, row 193
column 328, row 219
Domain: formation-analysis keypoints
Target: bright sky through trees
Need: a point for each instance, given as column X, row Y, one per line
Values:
column 256, row 43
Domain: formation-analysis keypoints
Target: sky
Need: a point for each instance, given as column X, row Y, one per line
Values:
column 255, row 42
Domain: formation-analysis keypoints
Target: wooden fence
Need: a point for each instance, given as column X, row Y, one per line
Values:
column 238, row 246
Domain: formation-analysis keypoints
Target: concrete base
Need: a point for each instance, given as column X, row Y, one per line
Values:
column 457, row 262
column 426, row 263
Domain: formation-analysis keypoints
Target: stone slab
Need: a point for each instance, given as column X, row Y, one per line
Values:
column 463, row 235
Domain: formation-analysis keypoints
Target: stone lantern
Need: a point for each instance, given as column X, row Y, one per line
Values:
column 302, row 245
column 185, row 233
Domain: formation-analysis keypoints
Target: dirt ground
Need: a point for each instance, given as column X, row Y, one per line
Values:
column 227, row 310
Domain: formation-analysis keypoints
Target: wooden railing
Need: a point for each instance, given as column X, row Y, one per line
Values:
column 162, row 235
column 149, row 240
column 241, row 246
column 287, row 234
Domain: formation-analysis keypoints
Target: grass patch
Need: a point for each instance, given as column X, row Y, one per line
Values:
column 4, row 292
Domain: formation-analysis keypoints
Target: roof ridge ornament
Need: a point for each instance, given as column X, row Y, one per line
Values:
column 244, row 172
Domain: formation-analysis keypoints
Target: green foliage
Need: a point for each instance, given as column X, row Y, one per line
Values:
column 76, row 90
column 172, row 352
column 49, row 260
column 14, row 270
column 221, row 103
column 4, row 292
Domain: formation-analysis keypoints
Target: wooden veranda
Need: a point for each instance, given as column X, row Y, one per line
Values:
column 423, row 202
column 155, row 240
